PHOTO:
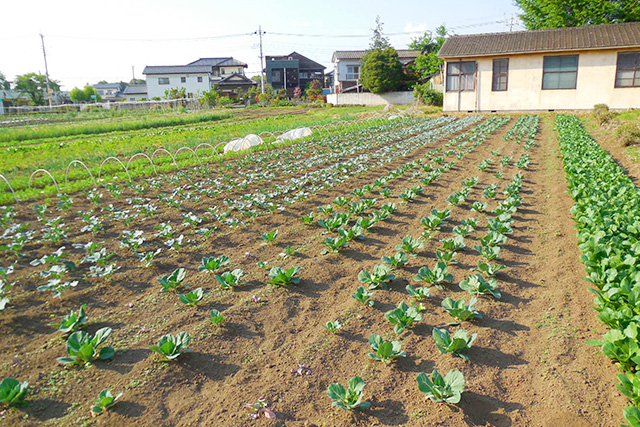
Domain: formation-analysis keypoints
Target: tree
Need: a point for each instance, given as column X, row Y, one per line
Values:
column 174, row 93
column 315, row 88
column 4, row 83
column 137, row 82
column 35, row 86
column 382, row 71
column 378, row 41
column 429, row 45
column 84, row 95
column 541, row 14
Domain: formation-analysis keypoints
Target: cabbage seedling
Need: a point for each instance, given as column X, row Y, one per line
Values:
column 446, row 257
column 216, row 317
column 82, row 348
column 458, row 309
column 213, row 264
column 281, row 277
column 402, row 317
column 419, row 294
column 192, row 298
column 386, row 351
column 334, row 244
column 397, row 261
column 477, row 285
column 269, row 237
column 410, row 245
column 489, row 253
column 173, row 281
column 435, row 277
column 341, row 201
column 350, row 398
column 489, row 269
column 333, row 327
column 309, row 218
column 230, row 279
column 363, row 296
column 439, row 389
column 171, row 346
column 453, row 344
column 479, row 206
column 72, row 321
column 455, row 244
column 260, row 407
column 12, row 391
column 379, row 277
column 104, row 402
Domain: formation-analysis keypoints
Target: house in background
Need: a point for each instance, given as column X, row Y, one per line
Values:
column 233, row 84
column 347, row 65
column 109, row 91
column 135, row 93
column 291, row 71
column 555, row 69
column 196, row 77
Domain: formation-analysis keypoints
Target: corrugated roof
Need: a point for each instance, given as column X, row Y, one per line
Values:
column 358, row 54
column 176, row 69
column 557, row 39
column 135, row 90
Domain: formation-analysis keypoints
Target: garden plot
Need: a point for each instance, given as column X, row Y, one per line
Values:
column 414, row 218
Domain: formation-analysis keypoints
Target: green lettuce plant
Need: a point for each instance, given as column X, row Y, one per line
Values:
column 12, row 392
column 402, row 317
column 105, row 400
column 453, row 344
column 72, row 321
column 439, row 389
column 83, row 349
column 281, row 277
column 350, row 398
column 386, row 351
column 171, row 346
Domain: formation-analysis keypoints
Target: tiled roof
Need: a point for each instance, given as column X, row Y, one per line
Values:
column 553, row 40
column 230, row 80
column 358, row 54
column 107, row 86
column 227, row 61
column 176, row 69
column 135, row 90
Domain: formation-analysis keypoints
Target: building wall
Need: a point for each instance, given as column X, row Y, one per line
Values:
column 191, row 85
column 595, row 85
column 366, row 98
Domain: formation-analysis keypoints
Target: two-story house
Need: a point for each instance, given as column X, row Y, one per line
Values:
column 291, row 71
column 109, row 91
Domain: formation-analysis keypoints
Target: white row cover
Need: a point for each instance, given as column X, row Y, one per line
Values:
column 295, row 134
column 245, row 143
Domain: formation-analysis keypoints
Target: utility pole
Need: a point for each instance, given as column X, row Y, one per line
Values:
column 261, row 64
column 133, row 74
column 46, row 69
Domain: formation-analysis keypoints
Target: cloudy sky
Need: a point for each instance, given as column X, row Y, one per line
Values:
column 89, row 41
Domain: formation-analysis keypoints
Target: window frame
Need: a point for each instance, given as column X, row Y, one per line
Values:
column 164, row 81
column 199, row 79
column 575, row 86
column 504, row 74
column 636, row 70
column 355, row 75
column 183, row 79
column 460, row 76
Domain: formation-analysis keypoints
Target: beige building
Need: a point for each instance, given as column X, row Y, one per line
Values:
column 556, row 69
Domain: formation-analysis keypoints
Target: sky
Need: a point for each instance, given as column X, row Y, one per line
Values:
column 90, row 41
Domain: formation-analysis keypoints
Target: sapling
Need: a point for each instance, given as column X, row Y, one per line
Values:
column 341, row 201
column 192, row 298
column 309, row 218
column 12, row 391
column 230, row 279
column 439, row 389
column 489, row 253
column 453, row 344
column 477, row 285
column 350, row 398
column 455, row 244
column 83, row 349
column 386, row 351
column 363, row 296
column 171, row 346
column 334, row 244
column 479, row 206
column 105, row 400
column 333, row 327
column 72, row 321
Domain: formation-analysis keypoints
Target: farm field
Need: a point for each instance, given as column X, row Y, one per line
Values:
column 465, row 189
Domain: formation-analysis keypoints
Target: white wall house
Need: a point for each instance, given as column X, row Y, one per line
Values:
column 556, row 69
column 197, row 77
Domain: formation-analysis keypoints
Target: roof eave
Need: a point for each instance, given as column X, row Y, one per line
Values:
column 477, row 55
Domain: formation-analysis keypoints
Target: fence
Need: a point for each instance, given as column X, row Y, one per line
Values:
column 366, row 98
column 128, row 105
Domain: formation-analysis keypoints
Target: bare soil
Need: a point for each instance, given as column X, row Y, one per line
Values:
column 529, row 366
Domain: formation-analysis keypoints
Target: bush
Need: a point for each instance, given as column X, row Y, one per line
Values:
column 628, row 133
column 425, row 95
column 602, row 114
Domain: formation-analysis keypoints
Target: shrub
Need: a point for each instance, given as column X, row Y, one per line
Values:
column 425, row 95
column 602, row 114
column 628, row 133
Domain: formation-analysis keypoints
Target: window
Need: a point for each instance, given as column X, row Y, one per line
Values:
column 276, row 76
column 183, row 79
column 239, row 70
column 628, row 70
column 163, row 80
column 200, row 79
column 500, row 74
column 560, row 72
column 461, row 75
column 216, row 73
column 353, row 72
column 222, row 71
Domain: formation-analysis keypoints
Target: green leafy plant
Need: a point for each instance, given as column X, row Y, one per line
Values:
column 446, row 257
column 489, row 253
column 630, row 386
column 334, row 244
column 350, row 398
column 333, row 327
column 436, row 276
column 105, row 400
column 83, row 349
column 269, row 237
column 171, row 346
column 72, row 321
column 459, row 310
column 477, row 285
column 397, row 261
column 12, row 391
column 439, row 389
column 410, row 245
column 192, row 298
column 173, row 281
column 213, row 264
column 230, row 279
column 281, row 277
column 309, row 218
column 386, row 351
column 379, row 277
column 363, row 296
column 453, row 344
column 402, row 317
column 216, row 317
column 419, row 294
column 489, row 270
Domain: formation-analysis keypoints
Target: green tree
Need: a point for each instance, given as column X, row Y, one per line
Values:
column 541, row 14
column 4, row 83
column 35, row 86
column 378, row 41
column 137, row 82
column 381, row 71
column 77, row 95
column 84, row 95
column 174, row 93
column 429, row 44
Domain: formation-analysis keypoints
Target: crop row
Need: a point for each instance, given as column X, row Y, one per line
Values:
column 607, row 213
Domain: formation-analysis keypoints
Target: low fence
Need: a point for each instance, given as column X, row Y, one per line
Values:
column 191, row 104
column 366, row 98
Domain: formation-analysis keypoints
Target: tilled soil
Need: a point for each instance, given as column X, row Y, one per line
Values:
column 528, row 367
